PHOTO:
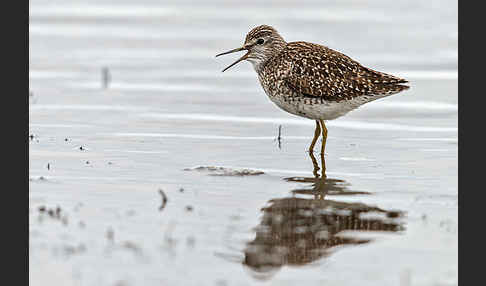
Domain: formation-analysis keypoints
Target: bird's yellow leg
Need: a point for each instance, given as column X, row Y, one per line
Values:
column 317, row 132
column 324, row 137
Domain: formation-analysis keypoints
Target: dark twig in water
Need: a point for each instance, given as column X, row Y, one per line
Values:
column 110, row 234
column 164, row 200
column 279, row 138
column 106, row 77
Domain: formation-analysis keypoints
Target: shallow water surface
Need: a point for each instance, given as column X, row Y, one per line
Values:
column 174, row 174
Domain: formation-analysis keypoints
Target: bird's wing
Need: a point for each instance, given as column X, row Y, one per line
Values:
column 318, row 71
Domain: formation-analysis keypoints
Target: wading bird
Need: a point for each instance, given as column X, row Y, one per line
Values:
column 310, row 80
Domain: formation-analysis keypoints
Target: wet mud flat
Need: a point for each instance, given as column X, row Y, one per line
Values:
column 147, row 166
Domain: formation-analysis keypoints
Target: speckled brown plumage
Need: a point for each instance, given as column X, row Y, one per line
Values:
column 298, row 75
column 318, row 71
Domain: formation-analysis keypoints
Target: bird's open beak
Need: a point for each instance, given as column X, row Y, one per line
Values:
column 244, row 57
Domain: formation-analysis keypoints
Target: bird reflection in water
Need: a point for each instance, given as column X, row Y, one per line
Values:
column 297, row 231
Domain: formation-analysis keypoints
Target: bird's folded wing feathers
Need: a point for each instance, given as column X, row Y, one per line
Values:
column 318, row 71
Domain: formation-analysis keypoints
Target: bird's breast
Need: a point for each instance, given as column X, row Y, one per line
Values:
column 306, row 106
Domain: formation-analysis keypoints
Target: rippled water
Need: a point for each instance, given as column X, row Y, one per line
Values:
column 385, row 214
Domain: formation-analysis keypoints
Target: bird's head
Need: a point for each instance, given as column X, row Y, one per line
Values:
column 261, row 43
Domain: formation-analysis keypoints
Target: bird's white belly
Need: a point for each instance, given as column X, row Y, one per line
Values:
column 312, row 108
column 327, row 110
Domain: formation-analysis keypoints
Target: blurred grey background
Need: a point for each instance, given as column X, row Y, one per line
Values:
column 173, row 37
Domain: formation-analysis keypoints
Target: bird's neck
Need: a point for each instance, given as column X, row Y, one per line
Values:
column 259, row 64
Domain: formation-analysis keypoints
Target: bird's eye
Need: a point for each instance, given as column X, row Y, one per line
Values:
column 260, row 41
